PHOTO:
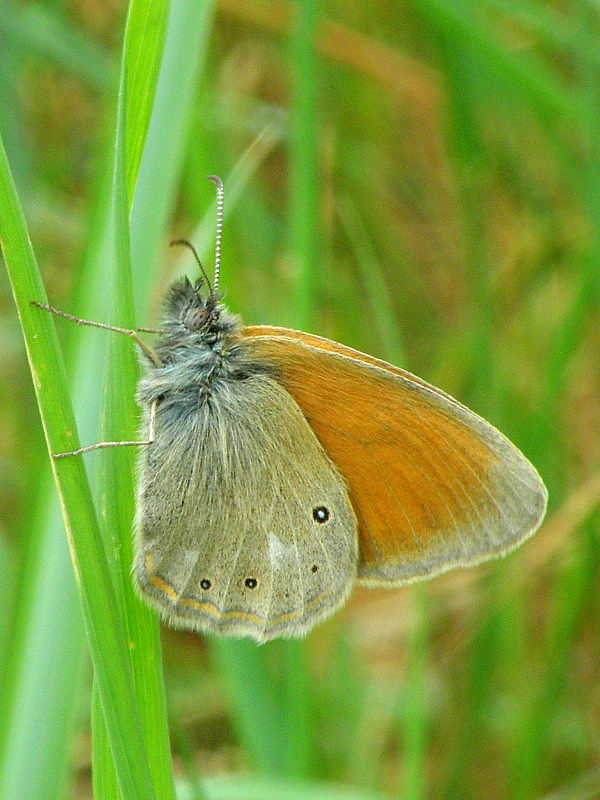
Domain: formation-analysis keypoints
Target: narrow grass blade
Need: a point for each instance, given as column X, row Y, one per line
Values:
column 377, row 292
column 12, row 124
column 145, row 35
column 107, row 643
column 104, row 779
column 145, row 25
column 413, row 714
column 576, row 591
column 257, row 709
column 270, row 789
column 43, row 664
column 167, row 138
column 304, row 236
column 304, row 197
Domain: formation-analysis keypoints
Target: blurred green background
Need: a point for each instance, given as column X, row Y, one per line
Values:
column 419, row 180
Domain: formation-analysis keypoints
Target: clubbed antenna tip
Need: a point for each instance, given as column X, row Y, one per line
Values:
column 219, row 184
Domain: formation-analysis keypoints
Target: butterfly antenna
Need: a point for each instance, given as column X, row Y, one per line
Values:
column 219, row 184
column 188, row 244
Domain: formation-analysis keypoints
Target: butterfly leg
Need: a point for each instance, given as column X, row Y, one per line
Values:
column 144, row 347
column 100, row 445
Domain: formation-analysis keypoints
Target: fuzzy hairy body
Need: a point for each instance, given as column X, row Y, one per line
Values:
column 244, row 524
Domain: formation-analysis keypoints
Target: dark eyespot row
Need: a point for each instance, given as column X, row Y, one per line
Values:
column 249, row 583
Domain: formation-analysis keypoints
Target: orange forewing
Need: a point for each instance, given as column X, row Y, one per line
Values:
column 321, row 343
column 425, row 475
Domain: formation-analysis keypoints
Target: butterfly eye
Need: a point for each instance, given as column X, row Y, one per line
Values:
column 195, row 318
column 251, row 583
column 205, row 583
column 321, row 514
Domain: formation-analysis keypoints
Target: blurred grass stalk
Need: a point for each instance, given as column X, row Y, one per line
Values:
column 305, row 236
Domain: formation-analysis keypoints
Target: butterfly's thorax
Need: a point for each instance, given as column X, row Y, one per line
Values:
column 196, row 363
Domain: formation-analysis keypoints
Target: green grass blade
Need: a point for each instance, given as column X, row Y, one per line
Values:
column 162, row 159
column 257, row 710
column 37, row 708
column 107, row 643
column 384, row 316
column 118, row 463
column 12, row 124
column 104, row 779
column 234, row 185
column 8, row 581
column 576, row 590
column 145, row 35
column 413, row 712
column 251, row 788
column 36, row 715
column 304, row 224
column 304, row 217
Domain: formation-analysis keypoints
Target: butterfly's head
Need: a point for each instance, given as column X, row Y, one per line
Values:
column 197, row 313
column 191, row 318
column 195, row 318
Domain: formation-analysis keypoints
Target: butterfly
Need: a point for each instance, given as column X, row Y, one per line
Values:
column 279, row 469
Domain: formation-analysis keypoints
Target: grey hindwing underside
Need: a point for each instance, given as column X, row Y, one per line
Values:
column 244, row 525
